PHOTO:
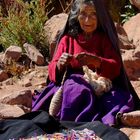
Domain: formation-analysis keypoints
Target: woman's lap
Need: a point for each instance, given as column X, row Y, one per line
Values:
column 78, row 99
column 80, row 103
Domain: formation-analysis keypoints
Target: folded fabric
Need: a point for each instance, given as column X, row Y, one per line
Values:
column 38, row 123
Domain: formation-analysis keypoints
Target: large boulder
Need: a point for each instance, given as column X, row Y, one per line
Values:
column 132, row 57
column 132, row 29
column 124, row 42
column 52, row 28
column 34, row 54
column 12, row 52
column 54, row 25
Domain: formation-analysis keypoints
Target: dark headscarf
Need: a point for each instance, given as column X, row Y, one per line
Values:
column 106, row 25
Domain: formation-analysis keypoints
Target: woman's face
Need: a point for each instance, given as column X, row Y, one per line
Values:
column 87, row 18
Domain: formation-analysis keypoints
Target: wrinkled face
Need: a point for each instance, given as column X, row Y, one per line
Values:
column 87, row 18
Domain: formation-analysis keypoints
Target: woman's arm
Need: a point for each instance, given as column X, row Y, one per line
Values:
column 59, row 61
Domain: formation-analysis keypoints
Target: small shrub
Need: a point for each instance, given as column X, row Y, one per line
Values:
column 24, row 23
column 13, row 69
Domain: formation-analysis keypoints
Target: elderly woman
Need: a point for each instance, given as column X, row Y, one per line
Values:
column 89, row 38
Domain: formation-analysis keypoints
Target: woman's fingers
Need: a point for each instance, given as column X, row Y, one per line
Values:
column 66, row 57
column 88, row 59
column 82, row 58
column 64, row 60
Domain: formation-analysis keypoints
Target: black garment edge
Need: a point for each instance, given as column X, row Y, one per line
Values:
column 40, row 122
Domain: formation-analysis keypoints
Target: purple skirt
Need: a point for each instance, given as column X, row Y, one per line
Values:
column 80, row 104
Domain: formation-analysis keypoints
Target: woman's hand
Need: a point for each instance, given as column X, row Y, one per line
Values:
column 88, row 59
column 64, row 60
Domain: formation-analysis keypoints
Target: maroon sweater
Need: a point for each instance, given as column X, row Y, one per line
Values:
column 98, row 45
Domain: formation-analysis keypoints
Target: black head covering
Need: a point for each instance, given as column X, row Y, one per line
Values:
column 106, row 25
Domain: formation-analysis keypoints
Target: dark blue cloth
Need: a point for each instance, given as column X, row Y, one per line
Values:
column 39, row 122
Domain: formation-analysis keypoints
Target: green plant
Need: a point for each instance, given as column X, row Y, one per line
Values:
column 129, row 11
column 24, row 23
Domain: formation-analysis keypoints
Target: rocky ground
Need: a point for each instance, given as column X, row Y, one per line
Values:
column 16, row 94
